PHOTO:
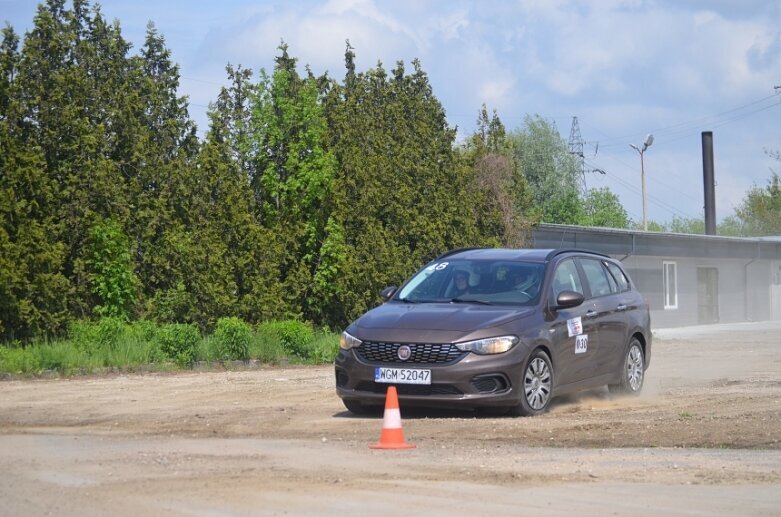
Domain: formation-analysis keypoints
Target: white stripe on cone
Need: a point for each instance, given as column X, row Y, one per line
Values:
column 391, row 419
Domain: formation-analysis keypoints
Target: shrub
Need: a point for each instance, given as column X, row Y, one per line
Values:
column 17, row 360
column 83, row 335
column 296, row 337
column 179, row 341
column 324, row 348
column 111, row 269
column 107, row 342
column 143, row 330
column 90, row 336
column 55, row 356
column 110, row 331
column 175, row 304
column 232, row 339
column 266, row 347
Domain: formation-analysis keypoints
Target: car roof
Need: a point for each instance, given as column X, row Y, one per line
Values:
column 531, row 255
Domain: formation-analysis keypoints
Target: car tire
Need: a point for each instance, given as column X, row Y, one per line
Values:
column 492, row 411
column 353, row 406
column 632, row 372
column 536, row 385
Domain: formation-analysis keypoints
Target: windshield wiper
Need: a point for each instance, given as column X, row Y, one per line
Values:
column 470, row 300
column 407, row 300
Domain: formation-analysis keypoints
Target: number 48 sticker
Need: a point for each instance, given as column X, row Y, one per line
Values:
column 581, row 344
column 437, row 267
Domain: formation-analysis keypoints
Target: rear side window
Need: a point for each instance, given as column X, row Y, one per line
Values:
column 599, row 280
column 618, row 274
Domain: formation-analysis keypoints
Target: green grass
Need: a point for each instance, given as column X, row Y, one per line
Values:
column 112, row 343
column 267, row 349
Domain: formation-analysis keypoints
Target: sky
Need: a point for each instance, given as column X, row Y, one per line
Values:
column 624, row 68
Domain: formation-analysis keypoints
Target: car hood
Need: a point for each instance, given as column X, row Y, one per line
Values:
column 462, row 317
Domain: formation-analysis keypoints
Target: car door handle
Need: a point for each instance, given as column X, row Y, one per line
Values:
column 591, row 314
column 621, row 307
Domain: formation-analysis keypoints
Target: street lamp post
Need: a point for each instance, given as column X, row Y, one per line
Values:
column 649, row 139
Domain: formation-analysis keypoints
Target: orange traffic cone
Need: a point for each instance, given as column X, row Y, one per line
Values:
column 392, row 436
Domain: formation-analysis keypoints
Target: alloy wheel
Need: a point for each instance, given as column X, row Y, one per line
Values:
column 537, row 383
column 634, row 367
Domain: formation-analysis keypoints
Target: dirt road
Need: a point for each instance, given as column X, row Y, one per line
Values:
column 704, row 438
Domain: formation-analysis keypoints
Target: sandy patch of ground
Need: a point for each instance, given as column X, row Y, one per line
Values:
column 705, row 436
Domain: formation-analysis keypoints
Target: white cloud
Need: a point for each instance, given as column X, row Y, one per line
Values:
column 317, row 36
column 363, row 11
column 704, row 18
column 451, row 25
column 612, row 48
column 625, row 67
column 495, row 92
column 717, row 52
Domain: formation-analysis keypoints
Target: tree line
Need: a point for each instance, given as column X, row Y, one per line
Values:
column 305, row 197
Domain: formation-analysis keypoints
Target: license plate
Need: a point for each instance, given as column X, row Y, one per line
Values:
column 402, row 376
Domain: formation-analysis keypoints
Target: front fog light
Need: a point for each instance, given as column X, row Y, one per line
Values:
column 491, row 345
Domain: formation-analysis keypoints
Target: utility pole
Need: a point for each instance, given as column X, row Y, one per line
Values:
column 649, row 139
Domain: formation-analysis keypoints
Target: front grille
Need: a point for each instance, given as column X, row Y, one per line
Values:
column 410, row 389
column 422, row 353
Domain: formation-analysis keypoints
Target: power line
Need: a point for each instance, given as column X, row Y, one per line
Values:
column 724, row 123
column 201, row 80
column 657, row 201
column 651, row 198
column 694, row 124
column 653, row 177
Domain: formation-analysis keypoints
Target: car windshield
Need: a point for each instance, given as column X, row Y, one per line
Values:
column 495, row 282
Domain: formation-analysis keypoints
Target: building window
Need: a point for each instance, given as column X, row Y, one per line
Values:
column 670, row 273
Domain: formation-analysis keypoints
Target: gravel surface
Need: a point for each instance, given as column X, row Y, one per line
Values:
column 703, row 438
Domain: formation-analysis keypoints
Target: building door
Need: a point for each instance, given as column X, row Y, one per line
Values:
column 775, row 291
column 707, row 295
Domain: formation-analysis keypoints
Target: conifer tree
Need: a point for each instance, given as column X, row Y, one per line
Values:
column 401, row 196
column 160, row 152
column 9, row 61
column 33, row 291
column 108, row 137
column 229, row 213
column 66, row 114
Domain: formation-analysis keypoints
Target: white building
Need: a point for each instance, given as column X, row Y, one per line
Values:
column 687, row 279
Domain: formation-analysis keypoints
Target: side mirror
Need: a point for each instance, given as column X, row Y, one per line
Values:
column 387, row 293
column 568, row 299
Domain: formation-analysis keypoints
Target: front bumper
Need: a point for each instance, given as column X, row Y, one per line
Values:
column 472, row 382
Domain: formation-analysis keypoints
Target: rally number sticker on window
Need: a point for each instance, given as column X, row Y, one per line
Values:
column 437, row 267
column 581, row 344
column 574, row 326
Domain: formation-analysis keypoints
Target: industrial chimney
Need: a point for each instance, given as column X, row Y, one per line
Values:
column 709, row 185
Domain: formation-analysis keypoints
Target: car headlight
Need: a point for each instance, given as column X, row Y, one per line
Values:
column 346, row 341
column 491, row 345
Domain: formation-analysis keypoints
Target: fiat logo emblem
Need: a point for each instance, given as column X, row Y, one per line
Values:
column 404, row 352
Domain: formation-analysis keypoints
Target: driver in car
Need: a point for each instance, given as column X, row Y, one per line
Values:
column 460, row 283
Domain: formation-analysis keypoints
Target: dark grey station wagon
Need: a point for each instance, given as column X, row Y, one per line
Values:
column 500, row 329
